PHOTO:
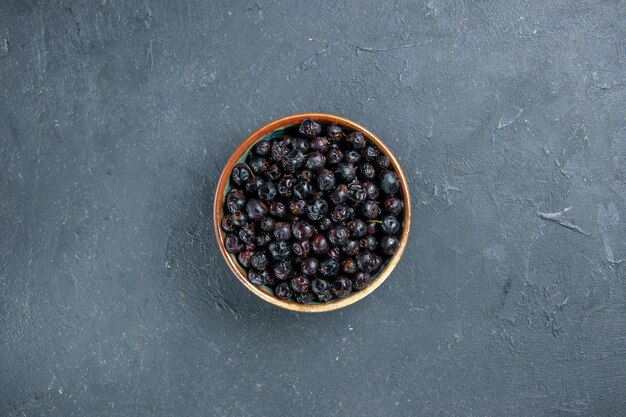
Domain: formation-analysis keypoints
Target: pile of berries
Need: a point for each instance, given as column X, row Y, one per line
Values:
column 313, row 213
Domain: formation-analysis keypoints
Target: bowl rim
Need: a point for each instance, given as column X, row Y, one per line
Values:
column 218, row 208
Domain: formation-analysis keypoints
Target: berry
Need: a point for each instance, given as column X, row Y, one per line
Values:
column 382, row 162
column 325, row 180
column 388, row 245
column 329, row 267
column 255, row 277
column 278, row 209
column 300, row 144
column 235, row 200
column 370, row 153
column 273, row 172
column 310, row 128
column 305, row 298
column 342, row 286
column 319, row 144
column 369, row 242
column 334, row 156
column 256, row 210
column 297, row 207
column 302, row 189
column 341, row 213
column 366, row 261
column 263, row 239
column 284, row 187
column 325, row 224
column 302, row 230
column 315, row 161
column 279, row 150
column 239, row 218
column 262, row 148
column 301, row 248
column 370, row 209
column 356, row 193
column 246, row 233
column 283, row 291
column 371, row 190
column 293, row 160
column 268, row 278
column 389, row 182
column 393, row 205
column 300, row 284
column 240, row 174
column 267, row 191
column 253, row 185
column 349, row 266
column 340, row 194
column 345, row 172
column 334, row 253
column 367, row 170
column 227, row 224
column 338, row 236
column 352, row 157
column 259, row 165
column 317, row 209
column 282, row 231
column 324, row 297
column 309, row 266
column 245, row 258
column 357, row 140
column 390, row 224
column 320, row 286
column 360, row 280
column 259, row 261
column 282, row 270
column 267, row 224
column 334, row 132
column 233, row 244
column 319, row 244
column 372, row 228
column 357, row 228
column 279, row 250
column 350, row 248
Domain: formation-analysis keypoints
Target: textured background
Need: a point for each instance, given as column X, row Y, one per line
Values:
column 116, row 119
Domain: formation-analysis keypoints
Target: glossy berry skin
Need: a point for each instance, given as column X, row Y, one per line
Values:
column 320, row 286
column 342, row 213
column 345, row 172
column 293, row 160
column 309, row 266
column 370, row 210
column 283, row 291
column 235, row 200
column 317, row 209
column 282, row 231
column 334, row 156
column 357, row 140
column 301, row 144
column 334, row 253
column 246, row 233
column 255, row 277
column 278, row 209
column 297, row 207
column 233, row 244
column 259, row 261
column 361, row 280
column 285, row 186
column 302, row 189
column 367, row 170
column 388, row 245
column 256, row 210
column 340, row 194
column 325, row 180
column 335, row 133
column 302, row 230
column 382, row 162
column 366, row 261
column 300, row 284
column 389, row 183
column 240, row 174
column 325, row 297
column 262, row 148
column 319, row 244
column 319, row 144
column 338, row 236
column 305, row 298
column 253, row 184
column 393, row 205
column 390, row 224
column 329, row 267
column 227, row 224
column 342, row 286
column 280, row 250
column 357, row 228
column 259, row 165
column 356, row 194
column 370, row 153
column 268, row 278
column 315, row 161
column 267, row 191
column 274, row 172
column 352, row 157
column 350, row 248
column 310, row 128
column 368, row 242
column 324, row 224
column 263, row 239
column 372, row 228
column 279, row 151
column 239, row 218
column 245, row 258
column 371, row 190
column 301, row 248
column 282, row 270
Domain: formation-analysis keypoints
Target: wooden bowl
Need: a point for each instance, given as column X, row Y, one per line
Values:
column 223, row 186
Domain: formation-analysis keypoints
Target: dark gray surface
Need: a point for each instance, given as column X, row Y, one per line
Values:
column 116, row 120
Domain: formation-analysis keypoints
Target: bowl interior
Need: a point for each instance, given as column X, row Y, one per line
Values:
column 276, row 129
